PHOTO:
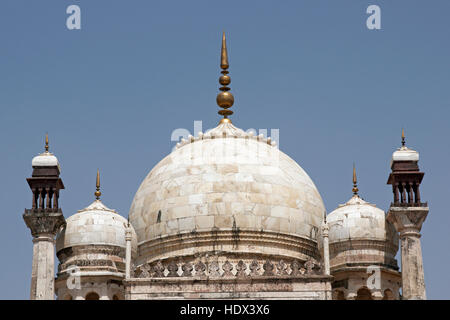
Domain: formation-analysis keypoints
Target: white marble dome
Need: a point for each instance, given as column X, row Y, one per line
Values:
column 358, row 219
column 45, row 159
column 95, row 225
column 226, row 179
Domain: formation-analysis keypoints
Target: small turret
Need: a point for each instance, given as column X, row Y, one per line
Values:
column 45, row 182
column 405, row 177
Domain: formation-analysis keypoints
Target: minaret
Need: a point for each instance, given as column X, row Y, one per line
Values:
column 128, row 238
column 407, row 213
column 44, row 219
column 224, row 99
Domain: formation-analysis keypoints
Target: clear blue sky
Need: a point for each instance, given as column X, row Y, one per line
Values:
column 111, row 94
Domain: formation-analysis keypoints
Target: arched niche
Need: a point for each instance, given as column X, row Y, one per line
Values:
column 363, row 294
column 92, row 296
column 388, row 295
column 338, row 295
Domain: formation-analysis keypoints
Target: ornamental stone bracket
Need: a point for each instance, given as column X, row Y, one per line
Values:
column 44, row 222
column 407, row 219
column 228, row 269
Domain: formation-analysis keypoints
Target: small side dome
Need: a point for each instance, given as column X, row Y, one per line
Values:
column 360, row 234
column 93, row 241
column 95, row 225
column 357, row 219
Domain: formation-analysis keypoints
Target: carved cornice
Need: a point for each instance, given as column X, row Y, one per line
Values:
column 362, row 268
column 44, row 222
column 366, row 244
column 91, row 249
column 408, row 204
column 92, row 257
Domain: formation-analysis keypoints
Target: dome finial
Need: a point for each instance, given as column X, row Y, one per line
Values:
column 224, row 54
column 46, row 142
column 224, row 99
column 355, row 188
column 403, row 137
column 97, row 185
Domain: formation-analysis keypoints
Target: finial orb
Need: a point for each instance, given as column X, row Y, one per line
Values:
column 225, row 99
column 225, row 120
column 225, row 80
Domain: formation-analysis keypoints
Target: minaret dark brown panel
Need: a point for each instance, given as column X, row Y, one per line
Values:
column 405, row 179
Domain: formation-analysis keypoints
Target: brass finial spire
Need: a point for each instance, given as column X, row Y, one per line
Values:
column 403, row 137
column 224, row 99
column 355, row 188
column 223, row 53
column 46, row 142
column 98, row 193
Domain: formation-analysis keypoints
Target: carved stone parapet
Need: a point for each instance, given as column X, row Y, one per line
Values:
column 229, row 268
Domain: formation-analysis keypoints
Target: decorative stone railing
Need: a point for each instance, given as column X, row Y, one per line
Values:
column 228, row 268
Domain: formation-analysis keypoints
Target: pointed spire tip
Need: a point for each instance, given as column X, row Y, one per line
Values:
column 224, row 99
column 224, row 54
column 355, row 181
column 97, row 186
column 46, row 142
column 403, row 137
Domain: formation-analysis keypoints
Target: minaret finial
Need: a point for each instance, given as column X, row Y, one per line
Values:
column 97, row 185
column 46, row 142
column 224, row 99
column 355, row 188
column 403, row 137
